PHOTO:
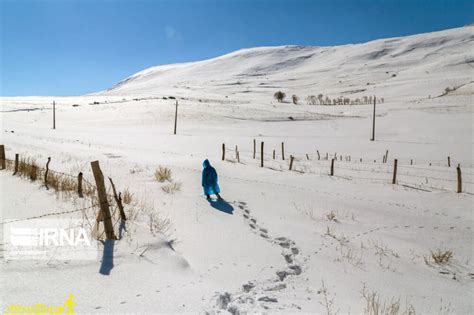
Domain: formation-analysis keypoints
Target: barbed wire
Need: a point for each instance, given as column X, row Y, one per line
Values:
column 49, row 214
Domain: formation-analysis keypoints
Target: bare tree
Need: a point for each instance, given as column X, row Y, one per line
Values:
column 279, row 96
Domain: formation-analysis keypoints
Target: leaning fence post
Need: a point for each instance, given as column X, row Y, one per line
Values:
column 319, row 157
column 46, row 173
column 332, row 167
column 104, row 214
column 307, row 156
column 223, row 151
column 458, row 169
column 118, row 200
column 291, row 161
column 283, row 151
column 394, row 180
column 2, row 157
column 79, row 185
column 261, row 154
column 17, row 157
column 449, row 161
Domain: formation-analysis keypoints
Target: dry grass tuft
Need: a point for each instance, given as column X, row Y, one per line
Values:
column 163, row 174
column 331, row 216
column 439, row 257
column 158, row 224
column 373, row 305
column 127, row 197
column 171, row 188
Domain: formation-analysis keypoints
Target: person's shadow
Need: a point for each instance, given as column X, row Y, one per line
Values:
column 221, row 205
column 107, row 257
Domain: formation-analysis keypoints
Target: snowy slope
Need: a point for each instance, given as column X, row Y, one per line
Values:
column 427, row 63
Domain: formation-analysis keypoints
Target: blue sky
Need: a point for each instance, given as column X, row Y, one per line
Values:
column 75, row 47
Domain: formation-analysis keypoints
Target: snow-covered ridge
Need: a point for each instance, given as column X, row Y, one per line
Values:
column 426, row 63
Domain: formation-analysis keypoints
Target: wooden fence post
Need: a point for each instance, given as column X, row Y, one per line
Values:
column 17, row 157
column 261, row 154
column 104, row 214
column 319, row 157
column 327, row 156
column 411, row 161
column 254, row 147
column 373, row 123
column 2, row 157
column 273, row 154
column 79, row 185
column 449, row 161
column 394, row 180
column 46, row 173
column 283, row 151
column 458, row 169
column 386, row 157
column 176, row 117
column 291, row 161
column 54, row 115
column 236, row 150
column 118, row 200
column 332, row 167
column 223, row 151
column 238, row 157
column 307, row 156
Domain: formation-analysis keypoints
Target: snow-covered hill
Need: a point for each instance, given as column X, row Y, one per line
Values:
column 425, row 64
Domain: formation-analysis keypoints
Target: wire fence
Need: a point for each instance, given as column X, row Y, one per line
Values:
column 422, row 175
column 67, row 185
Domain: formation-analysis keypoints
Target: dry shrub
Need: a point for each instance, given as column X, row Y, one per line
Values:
column 439, row 257
column 171, row 188
column 127, row 197
column 158, row 224
column 163, row 174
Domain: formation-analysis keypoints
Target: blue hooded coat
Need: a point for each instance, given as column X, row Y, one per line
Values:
column 209, row 179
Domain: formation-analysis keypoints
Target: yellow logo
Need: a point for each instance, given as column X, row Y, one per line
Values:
column 66, row 309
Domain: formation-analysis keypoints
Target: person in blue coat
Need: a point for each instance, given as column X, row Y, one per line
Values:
column 209, row 180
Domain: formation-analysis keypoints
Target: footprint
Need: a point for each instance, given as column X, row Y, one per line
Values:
column 263, row 235
column 123, row 302
column 252, row 226
column 263, row 230
column 288, row 259
column 295, row 251
column 297, row 269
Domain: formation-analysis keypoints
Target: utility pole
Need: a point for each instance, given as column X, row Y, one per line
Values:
column 176, row 117
column 373, row 121
column 54, row 115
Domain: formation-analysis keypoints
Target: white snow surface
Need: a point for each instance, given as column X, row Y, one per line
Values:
column 279, row 237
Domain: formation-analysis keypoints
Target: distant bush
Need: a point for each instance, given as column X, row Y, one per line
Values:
column 279, row 96
column 295, row 99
